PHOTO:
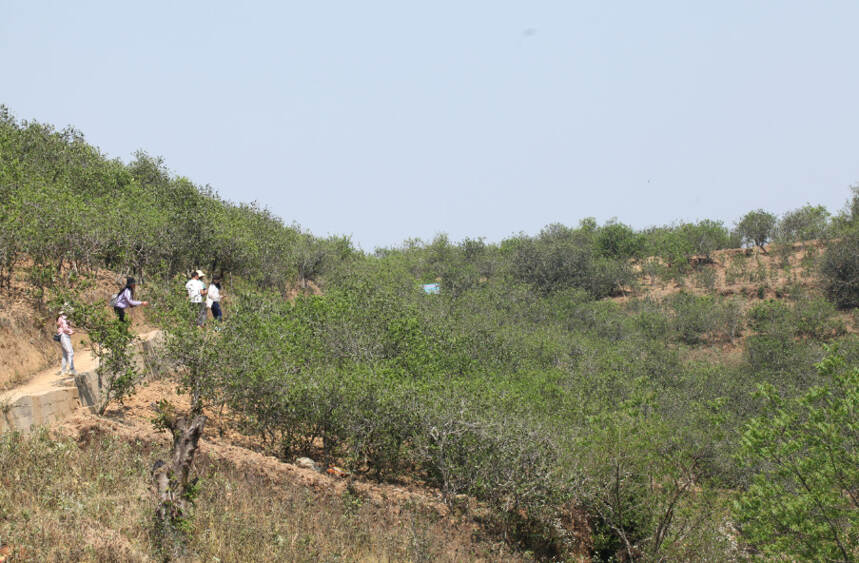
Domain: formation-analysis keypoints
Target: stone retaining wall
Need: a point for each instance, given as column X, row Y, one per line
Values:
column 39, row 409
column 54, row 405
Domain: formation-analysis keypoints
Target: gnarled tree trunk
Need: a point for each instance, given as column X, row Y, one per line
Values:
column 172, row 484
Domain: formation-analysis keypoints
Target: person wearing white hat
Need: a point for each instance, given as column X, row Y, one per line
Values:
column 196, row 291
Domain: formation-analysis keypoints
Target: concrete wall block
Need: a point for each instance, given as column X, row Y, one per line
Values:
column 30, row 411
column 87, row 387
column 47, row 407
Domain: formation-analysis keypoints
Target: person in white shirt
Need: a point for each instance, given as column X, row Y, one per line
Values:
column 213, row 299
column 196, row 290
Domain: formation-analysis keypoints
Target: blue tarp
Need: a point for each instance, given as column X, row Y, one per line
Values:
column 432, row 288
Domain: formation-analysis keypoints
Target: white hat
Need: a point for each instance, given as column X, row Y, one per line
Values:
column 200, row 273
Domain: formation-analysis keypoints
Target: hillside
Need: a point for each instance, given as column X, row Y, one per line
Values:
column 85, row 457
column 746, row 272
column 82, row 496
column 590, row 392
column 237, row 461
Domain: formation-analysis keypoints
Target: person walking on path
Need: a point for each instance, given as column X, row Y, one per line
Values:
column 196, row 291
column 213, row 299
column 125, row 299
column 65, row 332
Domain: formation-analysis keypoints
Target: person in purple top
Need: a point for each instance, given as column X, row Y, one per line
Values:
column 125, row 299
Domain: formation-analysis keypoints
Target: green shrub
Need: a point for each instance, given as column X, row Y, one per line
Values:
column 653, row 322
column 511, row 465
column 671, row 246
column 706, row 278
column 736, row 270
column 636, row 478
column 604, row 319
column 696, row 317
column 806, row 223
column 682, row 244
column 815, row 317
column 381, row 421
column 705, row 237
column 773, row 351
column 840, row 271
column 771, row 347
column 691, row 316
column 562, row 258
column 618, row 241
column 769, row 316
column 757, row 227
column 804, row 455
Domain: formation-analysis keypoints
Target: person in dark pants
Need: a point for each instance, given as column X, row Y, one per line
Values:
column 125, row 299
column 213, row 299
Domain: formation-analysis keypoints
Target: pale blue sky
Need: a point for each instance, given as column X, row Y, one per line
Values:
column 388, row 120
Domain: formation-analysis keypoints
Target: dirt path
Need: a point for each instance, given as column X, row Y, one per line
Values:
column 48, row 397
column 47, row 380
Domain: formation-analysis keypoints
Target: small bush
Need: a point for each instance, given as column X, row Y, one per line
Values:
column 653, row 323
column 806, row 223
column 736, row 270
column 815, row 317
column 706, row 236
column 617, row 241
column 380, row 422
column 562, row 258
column 696, row 317
column 840, row 271
column 706, row 278
column 774, row 348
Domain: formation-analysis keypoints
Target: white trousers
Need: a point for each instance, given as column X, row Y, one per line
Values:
column 68, row 353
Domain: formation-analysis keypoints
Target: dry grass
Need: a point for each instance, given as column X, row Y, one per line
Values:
column 25, row 346
column 89, row 500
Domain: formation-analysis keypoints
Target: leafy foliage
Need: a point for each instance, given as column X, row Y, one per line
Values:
column 806, row 223
column 804, row 454
column 639, row 486
column 562, row 258
column 757, row 227
column 65, row 205
column 840, row 271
